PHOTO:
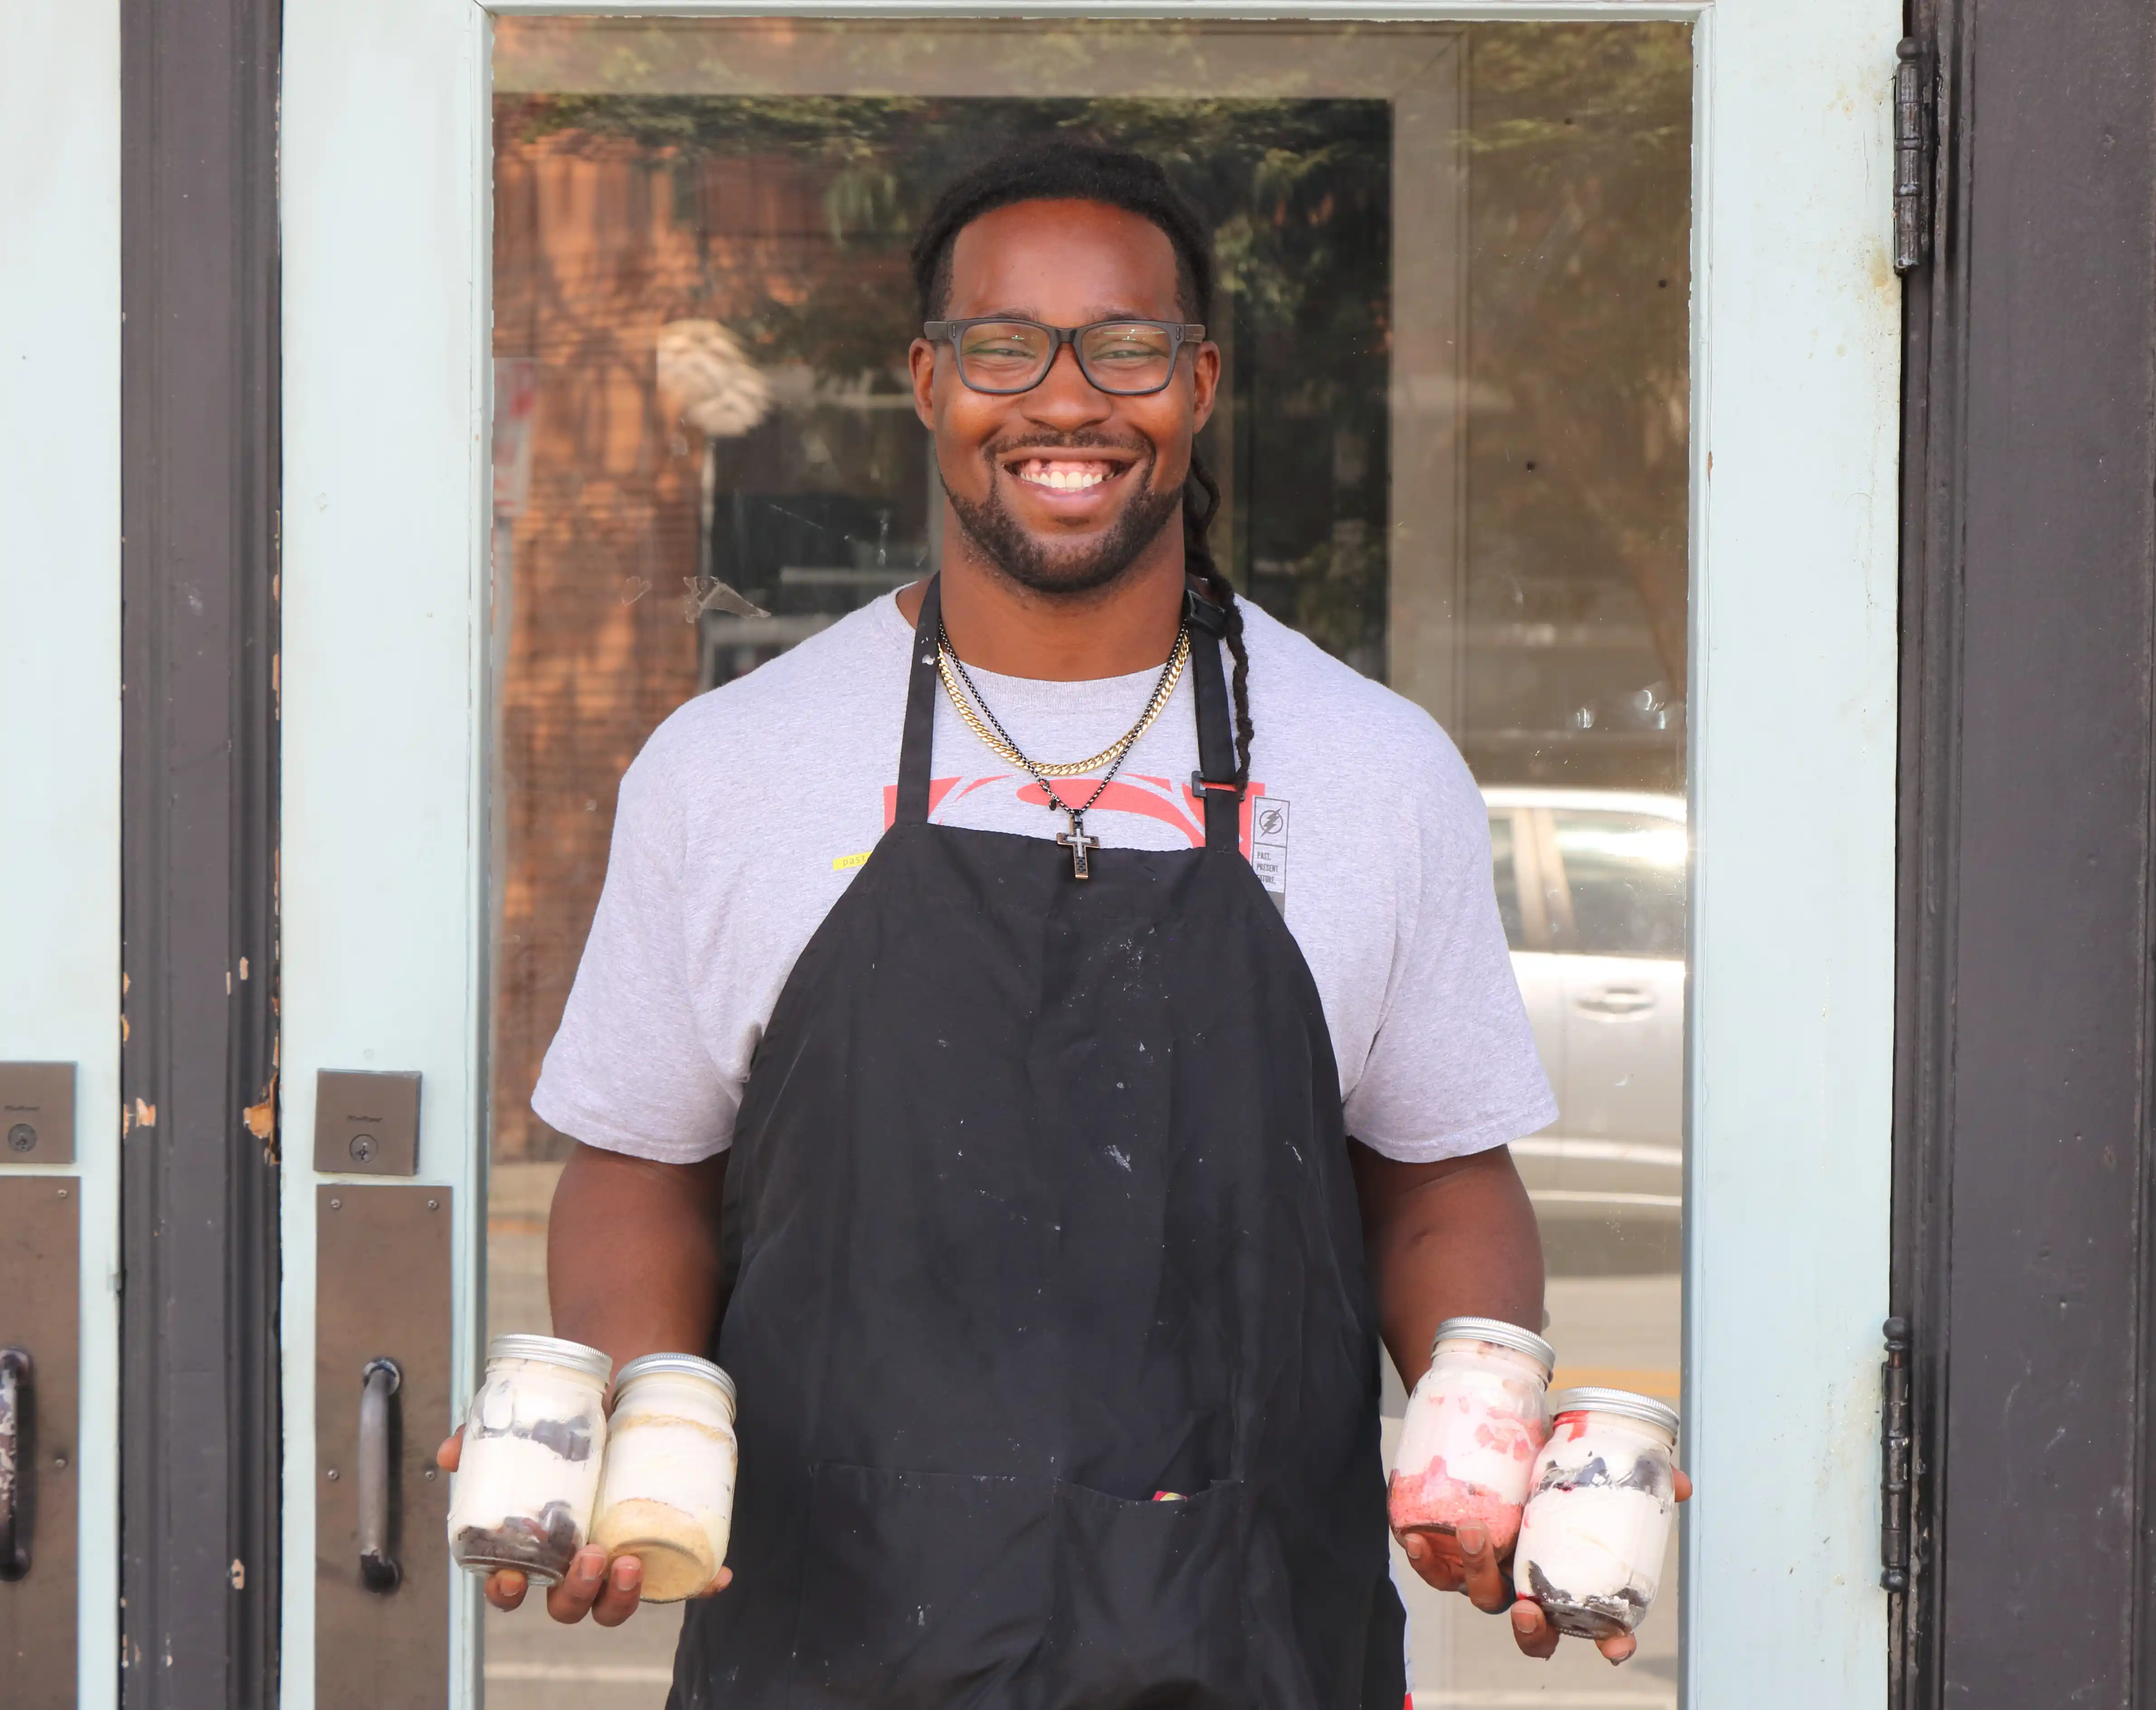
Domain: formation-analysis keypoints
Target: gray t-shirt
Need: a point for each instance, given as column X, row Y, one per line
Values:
column 751, row 809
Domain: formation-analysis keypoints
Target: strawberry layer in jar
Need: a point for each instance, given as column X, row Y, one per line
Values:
column 1473, row 1426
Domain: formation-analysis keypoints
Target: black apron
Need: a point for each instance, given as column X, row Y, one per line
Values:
column 1040, row 1203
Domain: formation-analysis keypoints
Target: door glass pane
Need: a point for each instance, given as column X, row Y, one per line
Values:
column 1452, row 446
column 1504, row 874
column 1624, row 878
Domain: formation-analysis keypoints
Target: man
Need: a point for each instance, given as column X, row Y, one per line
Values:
column 986, row 1110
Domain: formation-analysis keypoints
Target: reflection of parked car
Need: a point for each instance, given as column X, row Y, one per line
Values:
column 1591, row 884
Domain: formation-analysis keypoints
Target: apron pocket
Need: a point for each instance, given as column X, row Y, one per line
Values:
column 922, row 1590
column 1148, row 1607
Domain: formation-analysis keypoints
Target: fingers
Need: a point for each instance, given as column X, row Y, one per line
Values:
column 608, row 1592
column 1619, row 1648
column 624, row 1585
column 1482, row 1574
column 571, row 1601
column 724, row 1578
column 1536, row 1637
column 452, row 1449
column 1532, row 1630
column 1683, row 1485
column 1434, row 1556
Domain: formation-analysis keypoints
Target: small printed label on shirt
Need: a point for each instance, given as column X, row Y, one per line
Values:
column 1268, row 819
column 841, row 863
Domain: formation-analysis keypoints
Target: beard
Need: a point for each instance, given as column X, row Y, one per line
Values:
column 1033, row 564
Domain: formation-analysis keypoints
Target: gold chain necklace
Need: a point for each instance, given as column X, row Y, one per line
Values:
column 989, row 729
column 952, row 670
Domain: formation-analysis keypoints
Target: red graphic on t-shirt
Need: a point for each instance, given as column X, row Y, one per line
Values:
column 1154, row 798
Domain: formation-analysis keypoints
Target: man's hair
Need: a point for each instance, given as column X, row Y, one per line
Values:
column 1065, row 169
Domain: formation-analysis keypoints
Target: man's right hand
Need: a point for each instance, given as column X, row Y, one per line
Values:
column 608, row 1595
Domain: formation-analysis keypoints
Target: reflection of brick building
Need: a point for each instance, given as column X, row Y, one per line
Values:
column 590, row 263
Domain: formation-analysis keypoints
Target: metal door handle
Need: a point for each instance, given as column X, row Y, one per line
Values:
column 1618, row 1000
column 14, row 1469
column 378, row 1568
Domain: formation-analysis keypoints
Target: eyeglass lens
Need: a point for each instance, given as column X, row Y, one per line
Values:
column 1010, row 355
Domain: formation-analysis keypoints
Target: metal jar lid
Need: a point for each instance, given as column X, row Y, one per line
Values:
column 1622, row 1403
column 1498, row 1335
column 673, row 1366
column 552, row 1350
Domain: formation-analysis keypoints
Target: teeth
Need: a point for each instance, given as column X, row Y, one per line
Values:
column 1064, row 478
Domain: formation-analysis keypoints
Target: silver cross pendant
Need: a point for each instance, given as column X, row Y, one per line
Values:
column 1077, row 843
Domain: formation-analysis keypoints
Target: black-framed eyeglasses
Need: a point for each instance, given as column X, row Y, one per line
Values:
column 1129, row 358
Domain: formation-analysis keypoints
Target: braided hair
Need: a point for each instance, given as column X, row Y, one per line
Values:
column 1065, row 169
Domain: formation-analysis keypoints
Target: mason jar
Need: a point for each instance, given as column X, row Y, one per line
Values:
column 529, row 1472
column 1473, row 1425
column 1597, row 1523
column 667, row 1494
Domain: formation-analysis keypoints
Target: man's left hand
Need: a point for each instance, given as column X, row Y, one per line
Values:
column 1465, row 1563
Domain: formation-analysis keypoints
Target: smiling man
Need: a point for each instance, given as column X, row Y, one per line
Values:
column 1041, row 1032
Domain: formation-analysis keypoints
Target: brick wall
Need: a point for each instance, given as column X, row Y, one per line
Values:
column 591, row 259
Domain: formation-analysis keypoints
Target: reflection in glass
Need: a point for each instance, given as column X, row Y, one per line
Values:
column 1453, row 447
column 1623, row 881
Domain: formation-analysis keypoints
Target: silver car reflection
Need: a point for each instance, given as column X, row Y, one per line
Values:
column 1591, row 885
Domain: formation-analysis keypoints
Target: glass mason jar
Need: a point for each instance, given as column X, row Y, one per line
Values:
column 534, row 1437
column 667, row 1496
column 1598, row 1524
column 1473, row 1425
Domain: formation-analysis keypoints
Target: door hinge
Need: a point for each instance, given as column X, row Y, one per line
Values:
column 1916, row 131
column 1895, row 1443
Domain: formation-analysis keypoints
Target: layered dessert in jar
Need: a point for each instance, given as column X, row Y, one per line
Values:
column 667, row 1494
column 1598, row 1522
column 1473, row 1426
column 528, row 1476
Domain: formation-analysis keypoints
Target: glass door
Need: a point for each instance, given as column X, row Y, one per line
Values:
column 1496, row 295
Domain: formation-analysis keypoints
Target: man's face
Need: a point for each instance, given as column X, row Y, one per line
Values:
column 1065, row 486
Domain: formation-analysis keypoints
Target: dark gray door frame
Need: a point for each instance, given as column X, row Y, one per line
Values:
column 2023, row 1158
column 199, row 1451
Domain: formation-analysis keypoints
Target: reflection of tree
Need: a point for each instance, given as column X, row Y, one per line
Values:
column 1579, row 151
column 1279, row 176
column 1298, row 192
column 1577, row 281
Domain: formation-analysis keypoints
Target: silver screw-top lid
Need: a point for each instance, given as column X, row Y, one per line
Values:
column 1621, row 1402
column 553, row 1350
column 1498, row 1335
column 676, row 1366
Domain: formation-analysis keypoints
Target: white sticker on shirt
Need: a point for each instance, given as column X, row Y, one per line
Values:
column 1269, row 817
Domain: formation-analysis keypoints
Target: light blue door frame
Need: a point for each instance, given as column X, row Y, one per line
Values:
column 60, row 995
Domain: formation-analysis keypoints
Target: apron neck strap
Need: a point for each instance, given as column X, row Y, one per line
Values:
column 1214, row 782
column 920, row 738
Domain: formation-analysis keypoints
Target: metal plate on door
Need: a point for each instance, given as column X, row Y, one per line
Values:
column 381, row 1404
column 366, row 1123
column 40, row 1356
column 37, row 1112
